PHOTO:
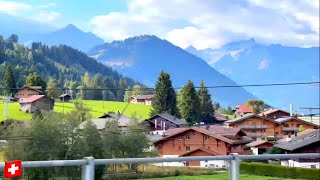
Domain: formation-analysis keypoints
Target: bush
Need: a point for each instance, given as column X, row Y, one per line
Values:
column 262, row 169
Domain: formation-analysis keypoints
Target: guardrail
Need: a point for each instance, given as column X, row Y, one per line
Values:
column 88, row 163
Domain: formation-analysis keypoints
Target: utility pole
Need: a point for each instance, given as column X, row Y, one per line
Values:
column 310, row 110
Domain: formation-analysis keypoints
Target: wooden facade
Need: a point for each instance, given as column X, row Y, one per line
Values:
column 26, row 92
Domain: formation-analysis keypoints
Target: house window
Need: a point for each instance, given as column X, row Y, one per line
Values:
column 187, row 148
column 179, row 148
column 286, row 133
column 286, row 125
column 292, row 125
column 206, row 137
column 208, row 147
column 298, row 125
column 187, row 137
column 254, row 131
column 180, row 137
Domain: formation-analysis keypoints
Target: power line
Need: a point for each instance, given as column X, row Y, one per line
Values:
column 197, row 87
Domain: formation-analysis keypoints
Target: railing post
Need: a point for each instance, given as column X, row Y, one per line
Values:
column 234, row 167
column 88, row 169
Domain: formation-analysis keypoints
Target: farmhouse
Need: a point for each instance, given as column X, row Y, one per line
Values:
column 32, row 103
column 162, row 122
column 257, row 126
column 26, row 92
column 65, row 97
column 308, row 142
column 123, row 121
column 260, row 146
column 142, row 99
column 196, row 141
column 242, row 110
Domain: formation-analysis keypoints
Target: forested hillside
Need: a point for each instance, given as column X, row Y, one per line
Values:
column 61, row 67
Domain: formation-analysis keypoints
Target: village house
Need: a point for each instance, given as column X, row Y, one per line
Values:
column 32, row 103
column 257, row 126
column 308, row 142
column 65, row 97
column 274, row 114
column 142, row 99
column 260, row 146
column 197, row 141
column 242, row 109
column 26, row 92
column 158, row 124
column 123, row 121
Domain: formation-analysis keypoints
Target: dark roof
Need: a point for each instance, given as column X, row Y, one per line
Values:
column 285, row 119
column 247, row 116
column 300, row 141
column 144, row 97
column 34, row 88
column 204, row 150
column 170, row 118
column 220, row 117
column 123, row 121
column 209, row 133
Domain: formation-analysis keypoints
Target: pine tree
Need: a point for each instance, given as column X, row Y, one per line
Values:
column 35, row 80
column 9, row 82
column 188, row 103
column 165, row 96
column 206, row 107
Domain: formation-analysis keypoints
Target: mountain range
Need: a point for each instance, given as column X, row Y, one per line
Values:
column 249, row 62
column 143, row 57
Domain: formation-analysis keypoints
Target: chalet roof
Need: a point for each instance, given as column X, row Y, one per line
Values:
column 300, row 141
column 256, row 143
column 64, row 95
column 244, row 108
column 177, row 131
column 270, row 111
column 144, row 97
column 247, row 116
column 100, row 123
column 285, row 119
column 154, row 137
column 204, row 150
column 220, row 117
column 170, row 118
column 34, row 88
column 31, row 99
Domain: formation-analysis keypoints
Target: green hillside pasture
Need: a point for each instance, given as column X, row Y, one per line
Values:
column 97, row 108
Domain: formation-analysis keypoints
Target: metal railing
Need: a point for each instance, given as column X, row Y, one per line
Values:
column 290, row 129
column 88, row 163
column 253, row 126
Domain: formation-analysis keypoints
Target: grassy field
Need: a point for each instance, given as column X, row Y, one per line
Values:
column 221, row 176
column 97, row 108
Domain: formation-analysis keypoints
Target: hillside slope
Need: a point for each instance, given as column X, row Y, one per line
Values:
column 143, row 57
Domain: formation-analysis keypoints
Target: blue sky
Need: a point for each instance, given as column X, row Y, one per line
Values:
column 201, row 23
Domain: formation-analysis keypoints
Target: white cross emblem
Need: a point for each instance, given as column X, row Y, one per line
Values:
column 13, row 169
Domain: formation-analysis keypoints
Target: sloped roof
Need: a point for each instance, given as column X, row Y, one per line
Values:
column 204, row 150
column 34, row 88
column 64, row 95
column 300, row 141
column 270, row 111
column 285, row 119
column 170, row 118
column 244, row 108
column 144, row 97
column 247, row 116
column 256, row 143
column 123, row 121
column 220, row 117
column 209, row 133
column 31, row 99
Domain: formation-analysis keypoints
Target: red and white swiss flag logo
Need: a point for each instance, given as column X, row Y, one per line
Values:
column 12, row 169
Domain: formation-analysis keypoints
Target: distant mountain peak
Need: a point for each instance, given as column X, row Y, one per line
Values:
column 243, row 44
column 191, row 48
column 70, row 28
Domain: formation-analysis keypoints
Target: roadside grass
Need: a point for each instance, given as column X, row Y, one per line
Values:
column 220, row 176
column 97, row 108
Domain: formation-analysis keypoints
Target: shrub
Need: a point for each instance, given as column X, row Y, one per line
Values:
column 262, row 169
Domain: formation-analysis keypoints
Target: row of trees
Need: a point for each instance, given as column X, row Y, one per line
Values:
column 189, row 104
column 56, row 136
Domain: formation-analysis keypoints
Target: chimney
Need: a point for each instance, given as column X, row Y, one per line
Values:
column 291, row 110
column 155, row 124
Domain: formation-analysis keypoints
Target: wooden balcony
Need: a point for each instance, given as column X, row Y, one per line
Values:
column 253, row 127
column 256, row 134
column 290, row 129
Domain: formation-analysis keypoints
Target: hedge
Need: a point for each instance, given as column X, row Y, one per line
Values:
column 262, row 169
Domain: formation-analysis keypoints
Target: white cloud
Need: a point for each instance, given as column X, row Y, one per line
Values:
column 210, row 23
column 13, row 8
column 46, row 16
column 264, row 64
